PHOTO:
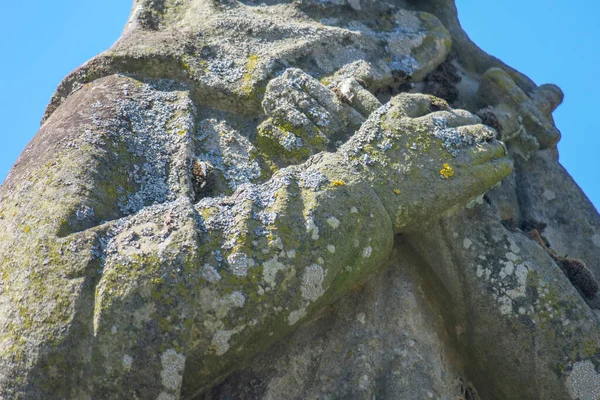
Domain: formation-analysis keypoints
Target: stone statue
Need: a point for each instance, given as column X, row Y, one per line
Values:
column 230, row 174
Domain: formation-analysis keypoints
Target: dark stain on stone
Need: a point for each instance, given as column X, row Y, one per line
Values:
column 489, row 118
column 442, row 82
column 575, row 270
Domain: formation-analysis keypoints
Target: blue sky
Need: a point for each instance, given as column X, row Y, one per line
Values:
column 552, row 41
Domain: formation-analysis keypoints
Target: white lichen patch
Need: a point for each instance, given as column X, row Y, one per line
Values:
column 219, row 306
column 508, row 283
column 84, row 213
column 333, row 222
column 222, row 306
column 364, row 382
column 467, row 243
column 155, row 129
column 270, row 269
column 454, row 139
column 237, row 299
column 312, row 179
column 367, row 252
column 239, row 263
column 229, row 151
column 312, row 228
column 480, row 271
column 508, row 290
column 520, row 288
column 127, row 362
column 173, row 364
column 296, row 315
column 312, row 281
column 506, row 305
column 583, row 382
column 507, row 270
column 267, row 218
column 549, row 195
column 220, row 341
column 331, row 248
column 361, row 317
column 209, row 273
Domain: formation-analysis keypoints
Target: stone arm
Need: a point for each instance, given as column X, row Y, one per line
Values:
column 276, row 253
column 296, row 243
column 193, row 290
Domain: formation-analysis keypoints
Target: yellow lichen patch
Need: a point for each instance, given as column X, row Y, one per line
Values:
column 338, row 182
column 250, row 67
column 326, row 81
column 447, row 171
column 397, row 191
column 184, row 65
column 27, row 229
column 247, row 80
column 589, row 348
column 252, row 61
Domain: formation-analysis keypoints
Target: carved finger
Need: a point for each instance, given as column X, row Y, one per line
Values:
column 477, row 133
column 412, row 105
column 330, row 101
column 547, row 97
column 351, row 91
column 296, row 90
column 450, row 119
column 481, row 153
column 498, row 88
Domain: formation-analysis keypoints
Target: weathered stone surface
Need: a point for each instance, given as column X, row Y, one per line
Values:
column 231, row 174
column 384, row 340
